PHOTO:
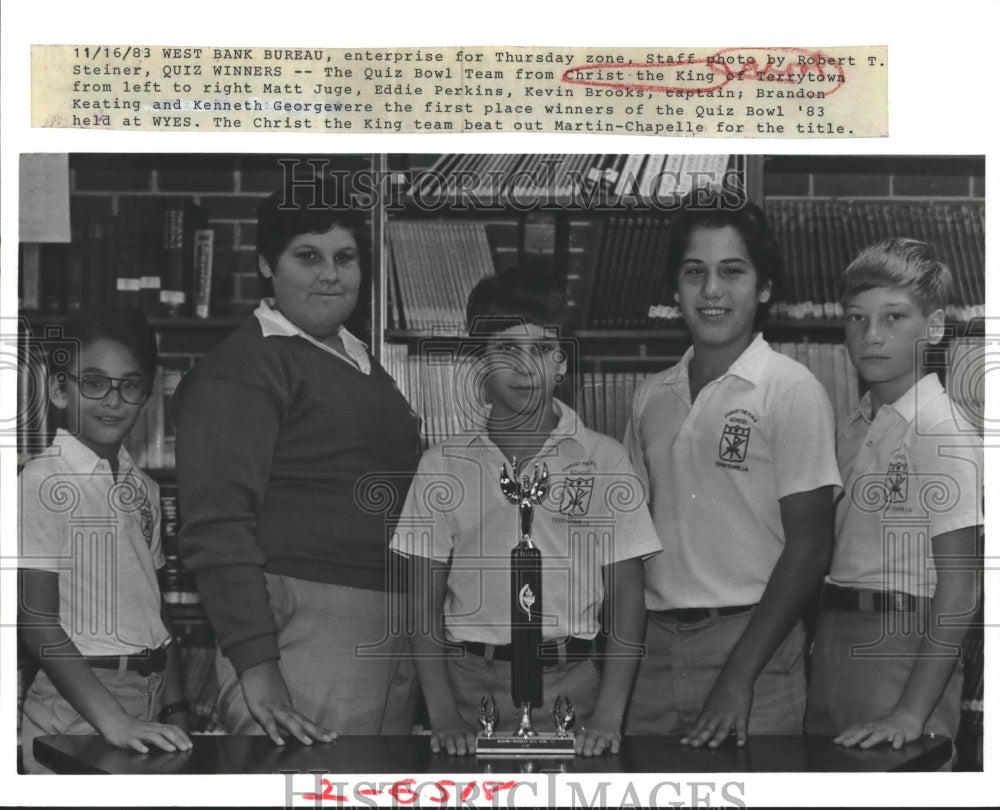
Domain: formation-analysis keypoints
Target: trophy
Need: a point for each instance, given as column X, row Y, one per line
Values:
column 526, row 637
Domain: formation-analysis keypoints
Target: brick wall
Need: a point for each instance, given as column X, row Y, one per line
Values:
column 227, row 187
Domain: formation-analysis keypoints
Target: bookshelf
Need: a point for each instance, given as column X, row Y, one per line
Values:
column 441, row 221
column 603, row 234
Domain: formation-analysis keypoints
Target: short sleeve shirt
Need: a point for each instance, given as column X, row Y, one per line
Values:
column 911, row 472
column 594, row 514
column 717, row 468
column 102, row 537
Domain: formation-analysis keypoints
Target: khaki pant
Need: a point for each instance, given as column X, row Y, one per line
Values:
column 860, row 665
column 48, row 712
column 473, row 676
column 682, row 663
column 342, row 668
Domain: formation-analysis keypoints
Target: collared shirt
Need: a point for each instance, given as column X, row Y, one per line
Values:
column 911, row 472
column 716, row 468
column 593, row 515
column 273, row 323
column 102, row 537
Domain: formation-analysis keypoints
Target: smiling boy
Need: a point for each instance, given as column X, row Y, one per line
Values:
column 736, row 442
column 458, row 529
column 902, row 584
column 90, row 609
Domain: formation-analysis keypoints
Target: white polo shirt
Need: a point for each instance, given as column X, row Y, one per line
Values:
column 716, row 469
column 910, row 474
column 102, row 538
column 593, row 515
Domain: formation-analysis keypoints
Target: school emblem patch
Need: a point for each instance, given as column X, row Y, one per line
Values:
column 734, row 442
column 895, row 482
column 576, row 496
column 146, row 519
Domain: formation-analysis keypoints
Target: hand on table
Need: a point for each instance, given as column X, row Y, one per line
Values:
column 726, row 711
column 454, row 736
column 129, row 732
column 897, row 727
column 598, row 735
column 270, row 704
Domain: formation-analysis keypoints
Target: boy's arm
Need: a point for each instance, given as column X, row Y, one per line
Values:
column 226, row 432
column 626, row 616
column 173, row 680
column 807, row 520
column 954, row 599
column 428, row 587
column 38, row 620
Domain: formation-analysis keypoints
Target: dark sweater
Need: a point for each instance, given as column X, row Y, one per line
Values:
column 273, row 436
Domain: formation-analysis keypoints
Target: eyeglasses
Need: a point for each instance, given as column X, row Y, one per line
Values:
column 98, row 386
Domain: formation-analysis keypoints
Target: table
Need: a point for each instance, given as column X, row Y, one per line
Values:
column 83, row 754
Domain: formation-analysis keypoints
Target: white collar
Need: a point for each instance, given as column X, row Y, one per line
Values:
column 274, row 323
column 81, row 459
column 923, row 391
column 748, row 366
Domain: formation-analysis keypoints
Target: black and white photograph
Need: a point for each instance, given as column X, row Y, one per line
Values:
column 424, row 470
column 513, row 309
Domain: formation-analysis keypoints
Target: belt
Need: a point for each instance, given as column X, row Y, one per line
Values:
column 573, row 649
column 145, row 663
column 868, row 601
column 694, row 615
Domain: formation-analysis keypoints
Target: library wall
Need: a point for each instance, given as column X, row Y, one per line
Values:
column 227, row 188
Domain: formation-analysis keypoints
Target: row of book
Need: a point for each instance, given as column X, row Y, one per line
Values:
column 561, row 179
column 152, row 441
column 819, row 238
column 623, row 284
column 159, row 259
column 442, row 388
column 434, row 264
column 606, row 400
column 831, row 365
column 176, row 583
column 629, row 274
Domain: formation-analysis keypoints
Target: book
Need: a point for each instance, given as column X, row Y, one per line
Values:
column 628, row 181
column 204, row 259
column 74, row 293
column 824, row 370
column 30, row 278
column 154, row 426
column 127, row 261
column 171, row 372
column 33, row 424
column 649, row 184
column 98, row 258
column 175, row 287
column 137, row 441
column 670, row 179
column 53, row 278
column 177, row 584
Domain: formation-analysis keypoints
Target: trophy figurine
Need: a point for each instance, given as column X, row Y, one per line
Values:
column 526, row 637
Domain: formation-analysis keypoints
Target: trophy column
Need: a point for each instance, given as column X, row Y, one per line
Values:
column 526, row 638
column 526, row 602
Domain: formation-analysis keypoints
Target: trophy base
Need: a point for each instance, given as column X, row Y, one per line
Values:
column 510, row 745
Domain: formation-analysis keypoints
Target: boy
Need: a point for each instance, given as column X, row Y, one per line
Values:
column 458, row 529
column 902, row 585
column 90, row 608
column 737, row 445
